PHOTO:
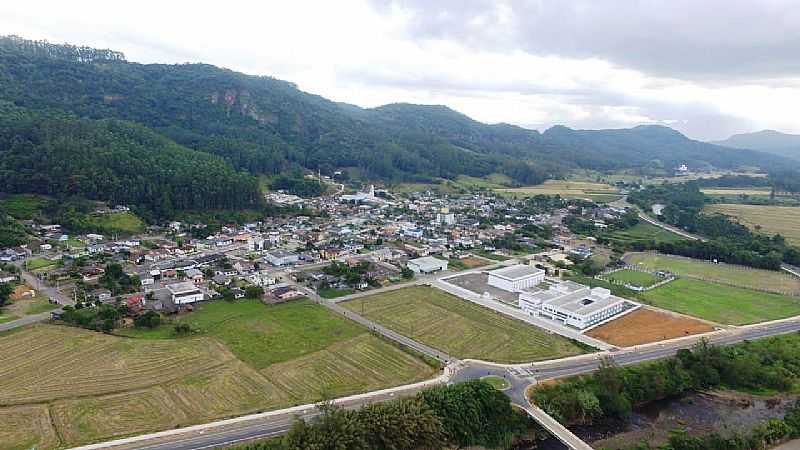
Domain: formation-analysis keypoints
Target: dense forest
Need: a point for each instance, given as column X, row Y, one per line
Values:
column 268, row 126
column 727, row 240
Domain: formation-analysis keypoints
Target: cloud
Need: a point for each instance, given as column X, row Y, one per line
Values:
column 706, row 68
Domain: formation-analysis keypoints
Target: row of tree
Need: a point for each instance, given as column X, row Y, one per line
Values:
column 456, row 416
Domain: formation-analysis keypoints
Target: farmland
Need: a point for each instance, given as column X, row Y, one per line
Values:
column 783, row 220
column 647, row 325
column 243, row 357
column 569, row 189
column 461, row 328
column 633, row 277
column 642, row 233
column 778, row 282
column 751, row 191
column 720, row 303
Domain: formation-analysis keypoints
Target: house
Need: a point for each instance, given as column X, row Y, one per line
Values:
column 135, row 302
column 8, row 277
column 91, row 273
column 221, row 279
column 102, row 294
column 185, row 292
column 286, row 293
column 281, row 257
column 237, row 293
column 261, row 279
column 194, row 275
column 427, row 264
column 515, row 278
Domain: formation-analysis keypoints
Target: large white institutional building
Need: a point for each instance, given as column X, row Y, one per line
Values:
column 515, row 278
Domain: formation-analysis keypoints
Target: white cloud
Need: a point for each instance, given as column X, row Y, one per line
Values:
column 352, row 51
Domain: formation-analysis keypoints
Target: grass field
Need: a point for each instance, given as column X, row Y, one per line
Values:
column 569, row 189
column 334, row 293
column 496, row 382
column 39, row 263
column 23, row 206
column 634, row 277
column 721, row 304
column 459, row 327
column 122, row 222
column 26, row 306
column 783, row 220
column 773, row 281
column 245, row 357
column 642, row 232
column 646, row 325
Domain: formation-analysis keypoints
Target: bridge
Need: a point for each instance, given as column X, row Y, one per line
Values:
column 556, row 429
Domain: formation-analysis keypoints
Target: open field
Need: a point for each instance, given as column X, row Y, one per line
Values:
column 642, row 232
column 244, row 357
column 39, row 263
column 758, row 191
column 646, row 325
column 459, row 327
column 634, row 277
column 569, row 189
column 26, row 306
column 721, row 304
column 783, row 220
column 26, row 427
column 768, row 280
column 122, row 222
column 465, row 263
column 334, row 292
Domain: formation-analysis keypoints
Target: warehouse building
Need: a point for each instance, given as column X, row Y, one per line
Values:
column 515, row 278
column 427, row 264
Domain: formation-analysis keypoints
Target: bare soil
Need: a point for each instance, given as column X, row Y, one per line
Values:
column 645, row 325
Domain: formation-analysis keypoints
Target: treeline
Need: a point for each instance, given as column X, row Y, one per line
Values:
column 117, row 162
column 728, row 241
column 456, row 416
column 61, row 51
column 770, row 433
column 298, row 185
column 11, row 232
column 612, row 392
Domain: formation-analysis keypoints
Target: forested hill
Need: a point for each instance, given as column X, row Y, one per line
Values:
column 266, row 126
column 768, row 141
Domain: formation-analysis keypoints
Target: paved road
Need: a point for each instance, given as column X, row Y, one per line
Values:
column 669, row 228
column 48, row 291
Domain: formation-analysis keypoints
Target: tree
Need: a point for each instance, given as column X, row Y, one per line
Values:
column 183, row 329
column 149, row 319
column 5, row 293
column 407, row 273
column 254, row 292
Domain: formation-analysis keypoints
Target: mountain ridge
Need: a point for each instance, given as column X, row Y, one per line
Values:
column 767, row 141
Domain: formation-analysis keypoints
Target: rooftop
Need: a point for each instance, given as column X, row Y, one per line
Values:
column 517, row 272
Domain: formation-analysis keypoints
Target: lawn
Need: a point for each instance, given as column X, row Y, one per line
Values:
column 642, row 233
column 459, row 327
column 773, row 281
column 634, row 277
column 720, row 303
column 783, row 220
column 496, row 382
column 38, row 263
column 244, row 357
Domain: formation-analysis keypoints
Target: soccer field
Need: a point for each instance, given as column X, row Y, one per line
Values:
column 459, row 327
column 721, row 304
column 773, row 281
column 244, row 357
column 633, row 277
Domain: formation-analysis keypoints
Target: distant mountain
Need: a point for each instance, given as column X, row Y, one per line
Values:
column 254, row 125
column 769, row 141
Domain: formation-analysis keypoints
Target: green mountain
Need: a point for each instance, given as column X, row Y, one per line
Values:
column 767, row 141
column 230, row 127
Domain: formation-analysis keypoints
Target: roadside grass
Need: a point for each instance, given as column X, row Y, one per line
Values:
column 745, row 277
column 459, row 327
column 720, row 303
column 334, row 293
column 122, row 222
column 770, row 220
column 634, row 277
column 642, row 233
column 496, row 382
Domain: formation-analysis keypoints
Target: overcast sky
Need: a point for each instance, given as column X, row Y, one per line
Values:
column 708, row 68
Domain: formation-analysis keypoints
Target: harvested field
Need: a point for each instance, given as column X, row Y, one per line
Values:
column 360, row 364
column 100, row 418
column 646, row 325
column 737, row 191
column 569, row 189
column 740, row 276
column 459, row 327
column 46, row 363
column 783, row 220
column 25, row 427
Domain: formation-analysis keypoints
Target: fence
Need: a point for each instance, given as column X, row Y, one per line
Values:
column 664, row 279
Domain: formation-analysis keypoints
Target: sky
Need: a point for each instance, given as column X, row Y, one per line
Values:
column 707, row 68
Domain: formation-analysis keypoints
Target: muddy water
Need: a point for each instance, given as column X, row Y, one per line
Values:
column 698, row 413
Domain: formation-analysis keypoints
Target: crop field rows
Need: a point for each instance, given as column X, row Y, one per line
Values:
column 73, row 386
column 461, row 328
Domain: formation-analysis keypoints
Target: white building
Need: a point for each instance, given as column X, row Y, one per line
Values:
column 515, row 278
column 427, row 264
column 184, row 293
column 281, row 257
column 574, row 304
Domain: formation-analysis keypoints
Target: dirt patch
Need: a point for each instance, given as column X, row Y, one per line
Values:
column 646, row 325
column 471, row 263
